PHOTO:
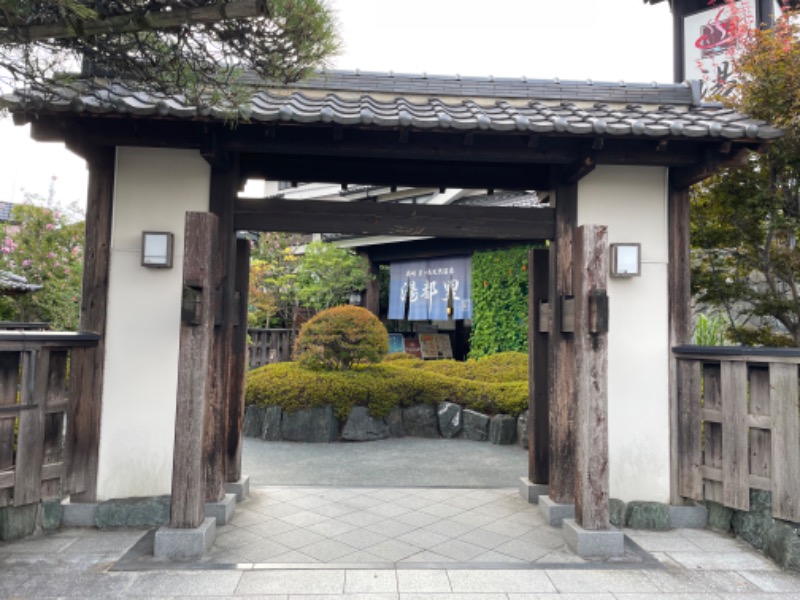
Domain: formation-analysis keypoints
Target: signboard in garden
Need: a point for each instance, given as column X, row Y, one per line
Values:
column 426, row 288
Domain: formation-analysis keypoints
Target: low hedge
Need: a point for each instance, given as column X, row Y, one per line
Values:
column 494, row 384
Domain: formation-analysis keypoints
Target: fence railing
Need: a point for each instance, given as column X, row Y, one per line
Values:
column 34, row 412
column 739, row 426
column 269, row 346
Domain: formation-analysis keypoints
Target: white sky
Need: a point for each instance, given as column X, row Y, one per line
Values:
column 606, row 40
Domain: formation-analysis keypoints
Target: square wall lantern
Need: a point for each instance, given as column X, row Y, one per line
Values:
column 626, row 260
column 157, row 249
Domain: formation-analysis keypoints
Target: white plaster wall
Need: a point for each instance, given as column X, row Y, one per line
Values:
column 154, row 188
column 632, row 202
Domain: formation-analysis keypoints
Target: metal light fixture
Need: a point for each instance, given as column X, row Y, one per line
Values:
column 157, row 249
column 355, row 298
column 626, row 260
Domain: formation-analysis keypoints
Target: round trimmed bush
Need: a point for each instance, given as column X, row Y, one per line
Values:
column 338, row 338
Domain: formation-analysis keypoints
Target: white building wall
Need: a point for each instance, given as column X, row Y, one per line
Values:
column 154, row 188
column 632, row 202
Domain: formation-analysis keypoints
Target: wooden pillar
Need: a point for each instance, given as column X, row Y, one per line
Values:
column 224, row 187
column 233, row 457
column 538, row 408
column 195, row 374
column 87, row 364
column 561, row 352
column 372, row 298
column 591, row 377
column 681, row 377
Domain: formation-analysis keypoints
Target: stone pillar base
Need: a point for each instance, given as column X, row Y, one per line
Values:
column 688, row 517
column 595, row 543
column 554, row 514
column 222, row 511
column 531, row 491
column 240, row 488
column 185, row 543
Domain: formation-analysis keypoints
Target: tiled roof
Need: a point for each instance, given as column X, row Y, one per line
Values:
column 502, row 199
column 434, row 102
column 12, row 285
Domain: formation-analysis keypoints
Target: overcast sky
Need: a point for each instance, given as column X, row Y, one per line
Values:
column 610, row 40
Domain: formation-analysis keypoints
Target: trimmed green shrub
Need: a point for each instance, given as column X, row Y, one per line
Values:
column 481, row 385
column 340, row 337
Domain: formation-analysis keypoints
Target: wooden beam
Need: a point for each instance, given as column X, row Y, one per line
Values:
column 561, row 352
column 735, row 457
column 783, row 381
column 195, row 374
column 432, row 248
column 578, row 170
column 233, row 470
column 591, row 377
column 30, row 450
column 367, row 218
column 372, row 299
column 176, row 17
column 87, row 364
column 9, row 379
column 538, row 407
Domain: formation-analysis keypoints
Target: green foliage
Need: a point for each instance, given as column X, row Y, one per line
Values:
column 392, row 384
column 327, row 275
column 709, row 331
column 44, row 245
column 746, row 222
column 339, row 338
column 500, row 302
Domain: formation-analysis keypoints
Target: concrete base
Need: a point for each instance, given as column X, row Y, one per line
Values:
column 80, row 514
column 531, row 491
column 222, row 511
column 688, row 517
column 585, row 543
column 241, row 488
column 185, row 543
column 554, row 514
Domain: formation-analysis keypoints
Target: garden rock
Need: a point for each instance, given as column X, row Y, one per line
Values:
column 522, row 429
column 503, row 429
column 647, row 515
column 133, row 512
column 315, row 425
column 753, row 525
column 253, row 421
column 420, row 421
column 449, row 416
column 361, row 427
column 271, row 430
column 476, row 425
column 395, row 423
column 616, row 512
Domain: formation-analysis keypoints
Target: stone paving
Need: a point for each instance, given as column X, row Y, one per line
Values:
column 398, row 543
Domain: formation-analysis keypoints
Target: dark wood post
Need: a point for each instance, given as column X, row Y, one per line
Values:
column 224, row 187
column 538, row 409
column 591, row 377
column 239, row 363
column 561, row 352
column 372, row 297
column 87, row 364
column 195, row 375
column 681, row 373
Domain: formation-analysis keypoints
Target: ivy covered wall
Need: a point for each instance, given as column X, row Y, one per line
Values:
column 500, row 301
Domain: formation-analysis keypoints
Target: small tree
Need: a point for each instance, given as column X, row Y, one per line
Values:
column 327, row 275
column 273, row 276
column 340, row 337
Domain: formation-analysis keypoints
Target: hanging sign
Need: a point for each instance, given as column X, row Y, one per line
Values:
column 429, row 287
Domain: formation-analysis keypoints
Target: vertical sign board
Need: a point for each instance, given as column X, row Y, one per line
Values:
column 429, row 287
column 708, row 43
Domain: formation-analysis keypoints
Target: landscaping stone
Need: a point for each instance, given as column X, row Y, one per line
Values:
column 421, row 421
column 754, row 524
column 51, row 513
column 395, row 423
column 719, row 517
column 647, row 515
column 616, row 512
column 271, row 428
column 782, row 544
column 133, row 512
column 253, row 421
column 314, row 425
column 17, row 522
column 522, row 429
column 449, row 416
column 503, row 429
column 476, row 425
column 361, row 427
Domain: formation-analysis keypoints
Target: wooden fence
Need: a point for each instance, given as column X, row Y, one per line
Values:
column 739, row 426
column 34, row 413
column 269, row 346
